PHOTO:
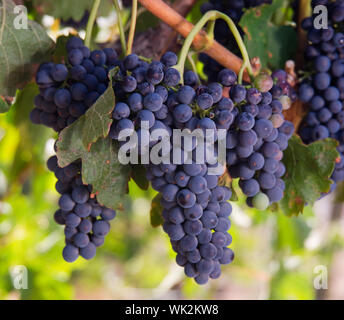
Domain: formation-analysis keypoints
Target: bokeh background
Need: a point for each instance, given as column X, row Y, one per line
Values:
column 276, row 256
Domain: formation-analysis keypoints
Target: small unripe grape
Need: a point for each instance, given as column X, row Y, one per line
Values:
column 263, row 82
column 277, row 120
column 260, row 201
column 286, row 102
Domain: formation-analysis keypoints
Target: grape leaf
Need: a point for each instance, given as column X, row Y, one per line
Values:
column 60, row 53
column 95, row 123
column 156, row 219
column 98, row 119
column 64, row 9
column 20, row 49
column 273, row 44
column 87, row 139
column 138, row 174
column 308, row 172
column 24, row 102
column 102, row 169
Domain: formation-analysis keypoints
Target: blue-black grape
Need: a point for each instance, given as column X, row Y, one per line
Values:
column 84, row 80
column 86, row 221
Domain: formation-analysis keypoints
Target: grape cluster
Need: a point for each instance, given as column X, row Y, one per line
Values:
column 256, row 141
column 64, row 96
column 196, row 211
column 67, row 91
column 198, row 228
column 86, row 221
column 195, row 205
column 323, row 90
column 234, row 9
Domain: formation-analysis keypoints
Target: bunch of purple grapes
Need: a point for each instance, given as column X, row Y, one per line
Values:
column 196, row 210
column 323, row 90
column 256, row 141
column 67, row 91
column 149, row 96
column 65, row 94
column 86, row 221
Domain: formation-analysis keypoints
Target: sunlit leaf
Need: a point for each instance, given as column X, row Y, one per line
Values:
column 308, row 172
column 20, row 50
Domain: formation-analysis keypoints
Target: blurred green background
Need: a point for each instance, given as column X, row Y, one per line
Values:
column 276, row 256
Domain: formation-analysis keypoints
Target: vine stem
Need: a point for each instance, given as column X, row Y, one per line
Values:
column 216, row 51
column 211, row 29
column 304, row 11
column 132, row 27
column 140, row 11
column 90, row 22
column 212, row 16
column 120, row 27
column 149, row 60
column 193, row 65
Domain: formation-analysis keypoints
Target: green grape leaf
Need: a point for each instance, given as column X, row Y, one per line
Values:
column 102, row 169
column 156, row 219
column 63, row 8
column 273, row 44
column 138, row 174
column 87, row 139
column 60, row 54
column 69, row 144
column 24, row 102
column 308, row 172
column 94, row 124
column 195, row 13
column 98, row 119
column 22, row 47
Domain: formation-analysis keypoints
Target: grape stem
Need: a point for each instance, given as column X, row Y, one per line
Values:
column 193, row 65
column 132, row 27
column 149, row 60
column 90, row 22
column 140, row 11
column 120, row 27
column 213, row 16
column 176, row 21
column 210, row 29
column 304, row 11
